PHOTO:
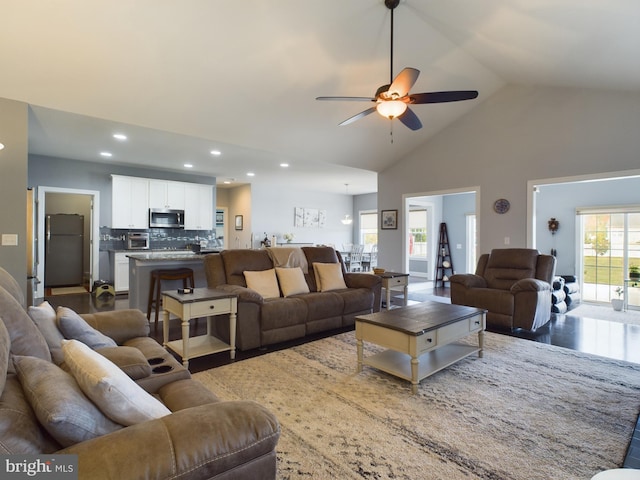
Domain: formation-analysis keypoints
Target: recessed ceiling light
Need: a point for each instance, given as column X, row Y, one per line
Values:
column 284, row 165
column 216, row 152
column 1, row 146
column 251, row 174
column 106, row 154
column 227, row 182
column 188, row 165
column 120, row 136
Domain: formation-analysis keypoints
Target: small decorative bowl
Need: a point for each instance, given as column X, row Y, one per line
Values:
column 378, row 271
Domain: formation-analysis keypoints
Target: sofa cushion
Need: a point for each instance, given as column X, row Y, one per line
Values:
column 61, row 407
column 291, row 281
column 117, row 396
column 128, row 359
column 283, row 312
column 264, row 282
column 356, row 300
column 44, row 316
column 74, row 327
column 25, row 337
column 20, row 431
column 329, row 276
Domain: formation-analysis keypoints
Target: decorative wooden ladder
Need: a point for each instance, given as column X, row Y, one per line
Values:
column 444, row 265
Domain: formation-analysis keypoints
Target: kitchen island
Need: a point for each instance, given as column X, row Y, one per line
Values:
column 141, row 265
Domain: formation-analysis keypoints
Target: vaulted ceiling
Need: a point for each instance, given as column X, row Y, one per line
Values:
column 241, row 76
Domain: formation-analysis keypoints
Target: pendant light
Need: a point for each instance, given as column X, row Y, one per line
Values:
column 347, row 220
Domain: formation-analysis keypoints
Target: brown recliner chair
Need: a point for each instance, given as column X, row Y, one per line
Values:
column 512, row 284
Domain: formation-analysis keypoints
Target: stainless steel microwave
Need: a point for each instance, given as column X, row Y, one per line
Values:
column 166, row 218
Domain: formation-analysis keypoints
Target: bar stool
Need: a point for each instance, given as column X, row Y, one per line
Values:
column 155, row 287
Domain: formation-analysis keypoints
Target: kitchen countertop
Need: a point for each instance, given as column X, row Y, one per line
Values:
column 165, row 255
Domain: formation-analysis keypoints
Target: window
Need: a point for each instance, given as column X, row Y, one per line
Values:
column 368, row 229
column 610, row 245
column 418, row 233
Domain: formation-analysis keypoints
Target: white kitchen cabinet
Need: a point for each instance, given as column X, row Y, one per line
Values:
column 198, row 210
column 167, row 194
column 120, row 268
column 129, row 202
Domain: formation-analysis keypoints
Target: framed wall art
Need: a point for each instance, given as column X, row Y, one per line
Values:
column 389, row 219
column 239, row 222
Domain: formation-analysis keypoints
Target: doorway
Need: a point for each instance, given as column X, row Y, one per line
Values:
column 453, row 207
column 55, row 200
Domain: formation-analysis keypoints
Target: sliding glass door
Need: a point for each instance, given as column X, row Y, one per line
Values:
column 610, row 246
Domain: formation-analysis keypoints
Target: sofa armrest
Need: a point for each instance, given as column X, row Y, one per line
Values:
column 530, row 285
column 244, row 294
column 468, row 280
column 362, row 280
column 121, row 325
column 196, row 443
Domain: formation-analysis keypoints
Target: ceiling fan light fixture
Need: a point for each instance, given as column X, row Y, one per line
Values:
column 391, row 108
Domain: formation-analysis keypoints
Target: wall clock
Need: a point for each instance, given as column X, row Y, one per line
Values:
column 501, row 205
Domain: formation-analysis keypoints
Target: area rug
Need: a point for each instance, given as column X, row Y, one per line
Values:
column 525, row 411
column 68, row 290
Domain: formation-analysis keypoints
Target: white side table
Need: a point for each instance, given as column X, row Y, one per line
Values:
column 203, row 302
column 395, row 280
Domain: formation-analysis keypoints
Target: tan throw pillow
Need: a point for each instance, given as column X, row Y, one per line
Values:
column 291, row 281
column 116, row 395
column 264, row 282
column 329, row 276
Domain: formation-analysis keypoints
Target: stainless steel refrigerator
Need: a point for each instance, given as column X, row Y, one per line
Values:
column 63, row 254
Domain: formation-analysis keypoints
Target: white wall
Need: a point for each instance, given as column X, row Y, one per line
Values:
column 273, row 212
column 519, row 134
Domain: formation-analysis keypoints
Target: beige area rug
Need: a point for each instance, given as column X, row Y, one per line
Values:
column 67, row 290
column 525, row 411
column 606, row 312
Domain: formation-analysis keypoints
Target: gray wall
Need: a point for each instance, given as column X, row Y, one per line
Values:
column 13, row 182
column 66, row 173
column 454, row 213
column 561, row 200
column 272, row 211
column 518, row 134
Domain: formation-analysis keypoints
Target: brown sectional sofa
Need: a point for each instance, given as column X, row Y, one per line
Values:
column 263, row 322
column 201, row 437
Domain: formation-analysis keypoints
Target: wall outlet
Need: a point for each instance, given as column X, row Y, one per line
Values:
column 507, row 240
column 459, row 246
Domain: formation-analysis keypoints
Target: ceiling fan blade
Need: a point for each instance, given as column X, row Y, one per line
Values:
column 442, row 97
column 348, row 99
column 410, row 119
column 358, row 116
column 403, row 82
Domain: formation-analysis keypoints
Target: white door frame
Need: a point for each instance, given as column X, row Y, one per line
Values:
column 406, row 200
column 95, row 233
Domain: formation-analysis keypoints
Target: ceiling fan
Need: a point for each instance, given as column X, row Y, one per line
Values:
column 393, row 100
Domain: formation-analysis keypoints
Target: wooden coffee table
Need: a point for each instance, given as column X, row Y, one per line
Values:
column 420, row 338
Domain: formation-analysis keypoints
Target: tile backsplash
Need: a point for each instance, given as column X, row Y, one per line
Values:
column 160, row 238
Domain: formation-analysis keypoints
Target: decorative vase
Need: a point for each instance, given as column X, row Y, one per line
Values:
column 617, row 304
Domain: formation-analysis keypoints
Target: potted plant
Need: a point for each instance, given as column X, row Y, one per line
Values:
column 288, row 237
column 634, row 272
column 617, row 303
